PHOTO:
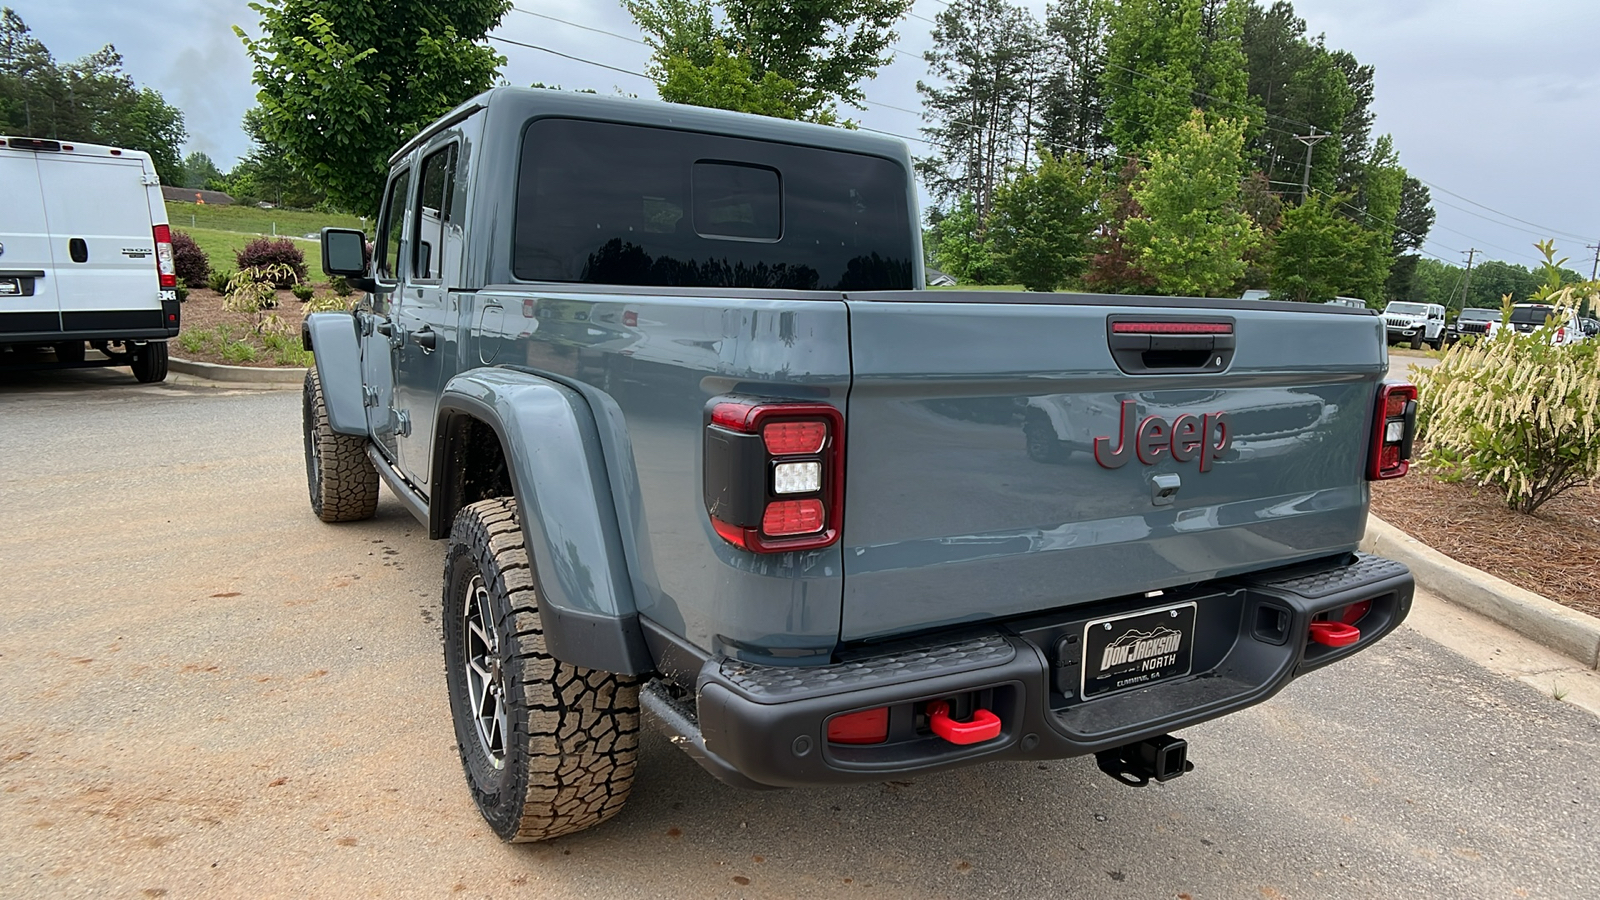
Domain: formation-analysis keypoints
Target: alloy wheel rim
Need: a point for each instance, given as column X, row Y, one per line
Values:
column 485, row 680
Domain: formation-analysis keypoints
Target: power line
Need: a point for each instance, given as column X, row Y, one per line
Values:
column 529, row 12
column 496, row 37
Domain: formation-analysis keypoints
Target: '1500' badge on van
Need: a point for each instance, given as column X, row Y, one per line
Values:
column 1187, row 437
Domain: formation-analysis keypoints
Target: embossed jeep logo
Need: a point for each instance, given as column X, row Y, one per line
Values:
column 1186, row 437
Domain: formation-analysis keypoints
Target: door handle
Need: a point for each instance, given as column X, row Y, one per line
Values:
column 425, row 337
column 384, row 327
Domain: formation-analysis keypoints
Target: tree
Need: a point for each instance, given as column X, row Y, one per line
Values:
column 1165, row 58
column 1411, row 226
column 1043, row 220
column 817, row 52
column 1192, row 235
column 1295, row 80
column 960, row 244
column 727, row 80
column 199, row 171
column 343, row 84
column 1114, row 268
column 1318, row 254
column 1382, row 184
column 90, row 100
column 1072, row 115
column 987, row 57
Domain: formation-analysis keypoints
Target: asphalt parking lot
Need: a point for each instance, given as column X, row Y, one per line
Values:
column 209, row 693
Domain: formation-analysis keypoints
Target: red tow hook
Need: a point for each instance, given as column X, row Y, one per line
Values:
column 1334, row 634
column 985, row 725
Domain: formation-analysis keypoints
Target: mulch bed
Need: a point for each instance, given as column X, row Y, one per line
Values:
column 203, row 311
column 1554, row 552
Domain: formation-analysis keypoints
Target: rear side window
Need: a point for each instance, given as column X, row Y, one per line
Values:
column 1531, row 315
column 394, row 210
column 433, row 213
column 602, row 203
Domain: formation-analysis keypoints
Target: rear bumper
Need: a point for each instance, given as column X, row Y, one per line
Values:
column 92, row 325
column 766, row 726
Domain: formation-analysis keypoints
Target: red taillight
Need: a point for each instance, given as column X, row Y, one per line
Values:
column 789, row 438
column 630, row 318
column 870, row 726
column 1393, row 429
column 774, row 474
column 164, row 265
column 1561, row 334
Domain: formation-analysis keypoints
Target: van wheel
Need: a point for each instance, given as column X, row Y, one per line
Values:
column 149, row 362
column 548, row 748
column 342, row 480
column 70, row 352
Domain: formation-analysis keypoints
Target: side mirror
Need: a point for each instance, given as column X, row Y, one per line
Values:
column 343, row 252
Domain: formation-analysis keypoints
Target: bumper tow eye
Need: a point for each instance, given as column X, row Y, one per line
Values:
column 984, row 726
column 1334, row 634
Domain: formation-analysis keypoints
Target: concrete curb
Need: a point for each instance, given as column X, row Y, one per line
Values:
column 1564, row 630
column 236, row 374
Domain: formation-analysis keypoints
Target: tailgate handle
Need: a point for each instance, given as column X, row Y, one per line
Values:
column 1168, row 345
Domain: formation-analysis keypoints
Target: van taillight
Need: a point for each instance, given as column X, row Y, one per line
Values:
column 169, row 274
column 774, row 474
column 1394, row 429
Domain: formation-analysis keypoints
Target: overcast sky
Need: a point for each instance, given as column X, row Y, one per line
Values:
column 1493, row 103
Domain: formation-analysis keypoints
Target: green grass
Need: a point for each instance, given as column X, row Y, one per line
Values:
column 980, row 287
column 220, row 247
column 252, row 220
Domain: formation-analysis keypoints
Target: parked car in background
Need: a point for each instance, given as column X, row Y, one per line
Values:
column 85, row 256
column 1256, row 294
column 1419, row 323
column 1591, row 327
column 1472, row 321
column 1527, row 318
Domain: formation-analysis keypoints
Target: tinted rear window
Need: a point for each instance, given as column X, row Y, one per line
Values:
column 602, row 203
column 1531, row 315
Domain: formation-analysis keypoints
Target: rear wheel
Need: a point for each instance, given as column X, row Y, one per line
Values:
column 548, row 748
column 149, row 362
column 341, row 478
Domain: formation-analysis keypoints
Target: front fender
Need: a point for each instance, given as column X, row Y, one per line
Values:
column 558, row 473
column 332, row 337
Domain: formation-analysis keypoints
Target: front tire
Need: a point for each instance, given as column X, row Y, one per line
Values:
column 149, row 362
column 341, row 478
column 548, row 748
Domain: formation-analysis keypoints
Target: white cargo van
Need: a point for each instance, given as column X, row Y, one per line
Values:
column 85, row 257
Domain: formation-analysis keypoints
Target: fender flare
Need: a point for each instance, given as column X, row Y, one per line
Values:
column 332, row 337
column 558, row 475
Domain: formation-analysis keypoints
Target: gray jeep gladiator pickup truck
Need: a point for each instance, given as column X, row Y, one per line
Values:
column 665, row 379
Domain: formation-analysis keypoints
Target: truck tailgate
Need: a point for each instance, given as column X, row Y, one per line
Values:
column 973, row 490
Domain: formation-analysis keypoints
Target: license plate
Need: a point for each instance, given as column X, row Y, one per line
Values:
column 1137, row 649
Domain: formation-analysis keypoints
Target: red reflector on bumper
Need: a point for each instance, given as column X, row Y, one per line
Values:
column 792, row 517
column 870, row 726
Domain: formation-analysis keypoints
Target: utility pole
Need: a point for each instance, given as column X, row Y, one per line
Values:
column 1310, row 140
column 1594, row 269
column 1468, row 286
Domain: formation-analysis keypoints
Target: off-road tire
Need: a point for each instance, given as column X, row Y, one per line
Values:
column 340, row 476
column 150, row 362
column 569, row 737
column 69, row 352
column 1420, row 341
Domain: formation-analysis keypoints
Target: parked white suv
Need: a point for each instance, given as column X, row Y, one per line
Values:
column 1419, row 323
column 1527, row 318
column 85, row 256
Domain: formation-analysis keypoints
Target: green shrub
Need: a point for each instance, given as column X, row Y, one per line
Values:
column 219, row 281
column 238, row 352
column 326, row 303
column 194, row 341
column 341, row 286
column 182, row 290
column 280, row 257
column 252, row 290
column 303, row 292
column 1515, row 413
column 189, row 261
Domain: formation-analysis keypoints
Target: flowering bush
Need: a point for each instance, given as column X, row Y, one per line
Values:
column 189, row 261
column 1516, row 412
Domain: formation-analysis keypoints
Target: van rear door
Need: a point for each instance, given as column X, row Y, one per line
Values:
column 28, row 300
column 98, row 209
